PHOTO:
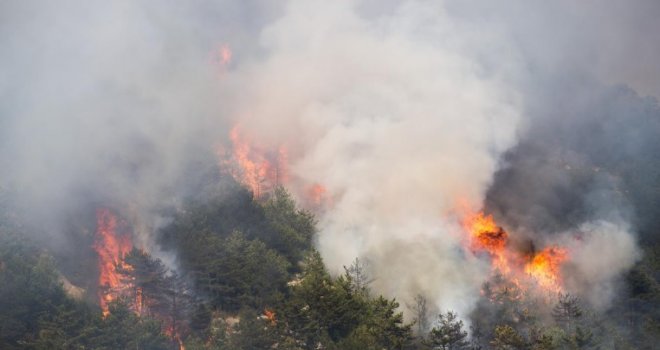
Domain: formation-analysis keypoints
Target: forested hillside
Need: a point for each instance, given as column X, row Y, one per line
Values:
column 248, row 277
column 315, row 174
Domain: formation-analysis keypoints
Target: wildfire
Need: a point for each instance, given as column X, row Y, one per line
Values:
column 316, row 194
column 259, row 170
column 110, row 247
column 485, row 235
column 545, row 267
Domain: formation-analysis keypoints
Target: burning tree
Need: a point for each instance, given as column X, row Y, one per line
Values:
column 258, row 168
column 539, row 269
column 158, row 292
column 113, row 241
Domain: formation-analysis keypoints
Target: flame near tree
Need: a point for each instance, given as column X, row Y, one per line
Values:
column 111, row 246
column 261, row 169
column 545, row 267
column 253, row 166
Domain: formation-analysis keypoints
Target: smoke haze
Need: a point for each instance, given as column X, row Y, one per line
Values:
column 407, row 112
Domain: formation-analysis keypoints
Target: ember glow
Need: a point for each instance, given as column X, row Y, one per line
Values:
column 111, row 246
column 317, row 195
column 223, row 55
column 270, row 316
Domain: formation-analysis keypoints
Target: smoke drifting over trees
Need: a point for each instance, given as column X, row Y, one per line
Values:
column 407, row 114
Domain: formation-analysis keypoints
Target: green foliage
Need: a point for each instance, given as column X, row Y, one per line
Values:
column 506, row 338
column 37, row 313
column 123, row 329
column 244, row 255
column 381, row 328
column 293, row 228
column 448, row 334
column 252, row 332
column 567, row 312
column 30, row 292
column 357, row 277
column 503, row 303
column 65, row 327
column 239, row 252
column 161, row 293
column 387, row 325
column 569, row 315
column 277, row 222
column 318, row 307
column 237, row 272
column 331, row 312
column 637, row 310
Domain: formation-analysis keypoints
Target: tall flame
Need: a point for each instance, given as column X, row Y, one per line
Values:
column 261, row 171
column 110, row 247
column 485, row 235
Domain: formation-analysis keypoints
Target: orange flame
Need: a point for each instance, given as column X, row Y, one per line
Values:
column 316, row 195
column 255, row 168
column 110, row 247
column 545, row 267
column 262, row 169
column 485, row 235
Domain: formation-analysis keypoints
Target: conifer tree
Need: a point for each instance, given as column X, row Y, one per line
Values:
column 448, row 334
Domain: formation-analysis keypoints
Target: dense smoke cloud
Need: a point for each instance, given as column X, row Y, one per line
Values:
column 405, row 111
column 588, row 153
column 603, row 251
column 110, row 103
column 400, row 122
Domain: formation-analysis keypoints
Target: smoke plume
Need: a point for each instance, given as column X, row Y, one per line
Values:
column 406, row 112
column 397, row 118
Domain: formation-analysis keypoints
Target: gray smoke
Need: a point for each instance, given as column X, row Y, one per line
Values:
column 398, row 118
column 587, row 159
column 111, row 103
column 404, row 110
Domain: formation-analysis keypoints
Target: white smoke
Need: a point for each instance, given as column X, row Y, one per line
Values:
column 401, row 109
column 603, row 251
column 398, row 119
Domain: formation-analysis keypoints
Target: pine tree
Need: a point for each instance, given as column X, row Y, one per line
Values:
column 147, row 277
column 506, row 338
column 252, row 332
column 420, row 309
column 567, row 312
column 357, row 276
column 319, row 309
column 158, row 292
column 123, row 329
column 448, row 334
column 293, row 228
